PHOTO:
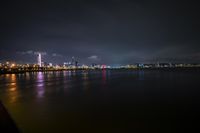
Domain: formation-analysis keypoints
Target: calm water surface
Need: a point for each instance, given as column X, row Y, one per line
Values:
column 108, row 101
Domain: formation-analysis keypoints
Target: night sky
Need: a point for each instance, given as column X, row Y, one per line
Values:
column 100, row 31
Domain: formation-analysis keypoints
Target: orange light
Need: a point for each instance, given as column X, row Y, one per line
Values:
column 13, row 65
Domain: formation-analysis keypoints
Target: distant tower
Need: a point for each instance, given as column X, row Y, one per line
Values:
column 39, row 60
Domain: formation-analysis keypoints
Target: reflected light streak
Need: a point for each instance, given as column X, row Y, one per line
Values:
column 40, row 85
column 13, row 93
column 65, row 80
column 103, row 77
column 12, row 85
column 13, row 89
column 85, row 80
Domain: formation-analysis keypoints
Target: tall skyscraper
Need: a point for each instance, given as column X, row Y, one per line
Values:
column 39, row 60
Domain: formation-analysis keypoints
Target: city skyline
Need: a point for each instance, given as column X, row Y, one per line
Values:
column 104, row 32
column 38, row 58
column 99, row 66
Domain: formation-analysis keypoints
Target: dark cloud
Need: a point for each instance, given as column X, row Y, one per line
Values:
column 56, row 55
column 94, row 58
column 31, row 52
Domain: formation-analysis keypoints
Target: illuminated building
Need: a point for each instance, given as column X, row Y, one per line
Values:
column 103, row 66
column 50, row 64
column 39, row 60
column 13, row 65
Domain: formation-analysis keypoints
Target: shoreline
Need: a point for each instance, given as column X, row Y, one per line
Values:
column 134, row 69
column 7, row 124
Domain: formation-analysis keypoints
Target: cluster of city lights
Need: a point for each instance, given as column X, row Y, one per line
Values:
column 74, row 65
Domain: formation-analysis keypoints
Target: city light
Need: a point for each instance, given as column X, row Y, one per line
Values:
column 11, row 67
column 39, row 60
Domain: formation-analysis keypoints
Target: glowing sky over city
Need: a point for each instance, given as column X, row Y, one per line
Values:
column 100, row 31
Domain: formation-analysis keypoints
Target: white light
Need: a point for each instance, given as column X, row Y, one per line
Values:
column 39, row 60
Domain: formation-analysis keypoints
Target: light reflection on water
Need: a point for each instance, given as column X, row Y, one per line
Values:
column 40, row 85
column 13, row 92
column 104, row 101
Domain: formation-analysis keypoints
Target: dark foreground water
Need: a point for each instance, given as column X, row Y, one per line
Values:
column 109, row 101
